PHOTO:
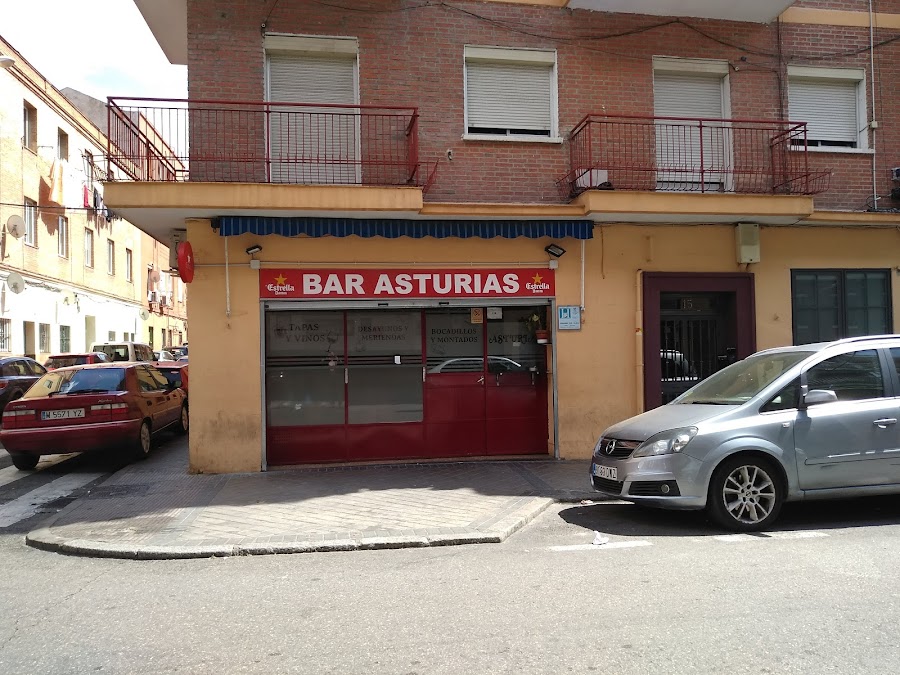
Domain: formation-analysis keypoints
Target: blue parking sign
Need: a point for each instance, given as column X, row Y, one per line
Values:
column 568, row 317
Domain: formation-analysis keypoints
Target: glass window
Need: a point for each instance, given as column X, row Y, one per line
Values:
column 75, row 381
column 743, row 380
column 5, row 327
column 29, row 126
column 35, row 368
column 453, row 343
column 146, row 381
column 853, row 377
column 304, row 368
column 162, row 381
column 110, row 256
column 65, row 338
column 62, row 237
column 89, row 249
column 384, row 352
column 833, row 304
column 511, row 340
column 62, row 144
column 129, row 259
column 44, row 337
column 31, row 214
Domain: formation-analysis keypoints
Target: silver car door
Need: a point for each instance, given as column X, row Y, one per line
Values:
column 853, row 441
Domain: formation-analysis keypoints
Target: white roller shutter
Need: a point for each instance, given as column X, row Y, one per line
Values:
column 509, row 98
column 828, row 106
column 678, row 144
column 313, row 145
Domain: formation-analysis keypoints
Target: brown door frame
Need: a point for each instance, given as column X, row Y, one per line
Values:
column 654, row 284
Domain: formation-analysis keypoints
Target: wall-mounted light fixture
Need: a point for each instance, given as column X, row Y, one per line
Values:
column 555, row 250
column 256, row 248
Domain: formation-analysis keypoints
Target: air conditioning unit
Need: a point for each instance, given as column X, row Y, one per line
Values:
column 163, row 299
column 591, row 178
column 152, row 296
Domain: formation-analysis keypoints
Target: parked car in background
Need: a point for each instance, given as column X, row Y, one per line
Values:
column 17, row 374
column 124, row 351
column 163, row 355
column 176, row 372
column 64, row 360
column 90, row 408
column 177, row 352
column 809, row 422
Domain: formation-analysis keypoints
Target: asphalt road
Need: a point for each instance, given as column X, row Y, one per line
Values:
column 667, row 594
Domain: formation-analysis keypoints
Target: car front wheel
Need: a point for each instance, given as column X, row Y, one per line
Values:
column 745, row 494
column 23, row 461
column 142, row 445
column 184, row 421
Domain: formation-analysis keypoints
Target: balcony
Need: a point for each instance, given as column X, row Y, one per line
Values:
column 672, row 154
column 265, row 142
column 758, row 11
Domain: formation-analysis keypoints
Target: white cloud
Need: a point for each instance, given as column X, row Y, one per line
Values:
column 101, row 47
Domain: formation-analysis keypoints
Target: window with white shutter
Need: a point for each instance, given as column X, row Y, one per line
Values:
column 692, row 154
column 510, row 92
column 832, row 103
column 309, row 144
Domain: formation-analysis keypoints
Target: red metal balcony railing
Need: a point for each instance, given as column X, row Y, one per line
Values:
column 690, row 155
column 264, row 142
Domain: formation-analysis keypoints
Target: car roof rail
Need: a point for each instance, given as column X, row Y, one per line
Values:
column 864, row 338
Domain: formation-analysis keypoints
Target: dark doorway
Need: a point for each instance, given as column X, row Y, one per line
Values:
column 694, row 325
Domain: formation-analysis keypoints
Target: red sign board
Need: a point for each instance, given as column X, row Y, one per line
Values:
column 185, row 253
column 305, row 284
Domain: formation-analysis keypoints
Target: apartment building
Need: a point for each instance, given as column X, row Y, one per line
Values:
column 495, row 228
column 74, row 270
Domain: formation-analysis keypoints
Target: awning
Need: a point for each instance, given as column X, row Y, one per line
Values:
column 393, row 228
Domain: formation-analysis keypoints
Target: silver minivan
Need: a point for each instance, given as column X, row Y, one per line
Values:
column 807, row 422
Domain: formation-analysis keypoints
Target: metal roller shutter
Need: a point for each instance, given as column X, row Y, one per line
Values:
column 509, row 98
column 678, row 144
column 829, row 107
column 313, row 145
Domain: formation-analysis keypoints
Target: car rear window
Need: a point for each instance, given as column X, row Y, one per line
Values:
column 86, row 380
column 114, row 352
column 65, row 361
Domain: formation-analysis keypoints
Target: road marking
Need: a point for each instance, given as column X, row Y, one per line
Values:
column 29, row 503
column 601, row 547
column 803, row 534
column 11, row 474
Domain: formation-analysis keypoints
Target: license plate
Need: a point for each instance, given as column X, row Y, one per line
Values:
column 68, row 414
column 608, row 472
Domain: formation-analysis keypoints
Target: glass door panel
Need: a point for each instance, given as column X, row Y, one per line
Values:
column 304, row 368
column 385, row 366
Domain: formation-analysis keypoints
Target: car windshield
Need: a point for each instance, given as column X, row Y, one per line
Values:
column 65, row 361
column 173, row 375
column 84, row 380
column 114, row 352
column 741, row 381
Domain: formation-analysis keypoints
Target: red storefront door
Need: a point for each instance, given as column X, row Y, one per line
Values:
column 403, row 384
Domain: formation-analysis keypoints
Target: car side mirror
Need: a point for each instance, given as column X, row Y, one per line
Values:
column 820, row 396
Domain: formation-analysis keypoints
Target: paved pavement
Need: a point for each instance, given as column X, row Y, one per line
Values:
column 156, row 510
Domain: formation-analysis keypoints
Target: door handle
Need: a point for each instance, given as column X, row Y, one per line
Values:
column 481, row 380
column 885, row 422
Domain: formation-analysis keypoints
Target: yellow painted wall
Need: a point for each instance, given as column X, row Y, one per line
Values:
column 598, row 374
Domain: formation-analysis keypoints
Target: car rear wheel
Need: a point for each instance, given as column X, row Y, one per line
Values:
column 142, row 445
column 745, row 494
column 184, row 422
column 23, row 461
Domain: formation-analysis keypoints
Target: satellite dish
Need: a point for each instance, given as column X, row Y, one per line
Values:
column 144, row 314
column 15, row 282
column 15, row 225
column 154, row 276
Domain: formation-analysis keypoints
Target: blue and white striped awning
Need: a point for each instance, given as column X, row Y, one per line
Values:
column 393, row 228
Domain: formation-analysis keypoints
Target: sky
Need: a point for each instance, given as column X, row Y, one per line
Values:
column 100, row 47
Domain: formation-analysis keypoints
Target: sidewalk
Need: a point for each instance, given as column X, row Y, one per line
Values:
column 156, row 510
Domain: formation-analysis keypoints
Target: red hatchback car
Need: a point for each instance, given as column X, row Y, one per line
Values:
column 92, row 407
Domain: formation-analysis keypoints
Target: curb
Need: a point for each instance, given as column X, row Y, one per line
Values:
column 43, row 538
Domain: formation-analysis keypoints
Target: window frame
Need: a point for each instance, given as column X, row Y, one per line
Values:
column 111, row 257
column 65, row 338
column 5, row 335
column 44, row 338
column 842, row 304
column 89, row 248
column 129, row 265
column 522, row 56
column 62, row 234
column 29, row 127
column 31, row 219
column 62, row 145
column 857, row 75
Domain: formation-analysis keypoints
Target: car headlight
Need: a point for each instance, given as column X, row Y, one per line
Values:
column 666, row 443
